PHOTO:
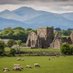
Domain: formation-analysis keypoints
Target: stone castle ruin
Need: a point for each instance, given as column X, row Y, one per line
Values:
column 57, row 41
column 45, row 37
column 41, row 39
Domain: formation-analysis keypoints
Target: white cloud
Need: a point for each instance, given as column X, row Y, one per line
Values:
column 57, row 6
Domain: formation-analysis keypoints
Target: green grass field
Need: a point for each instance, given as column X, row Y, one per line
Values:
column 62, row 64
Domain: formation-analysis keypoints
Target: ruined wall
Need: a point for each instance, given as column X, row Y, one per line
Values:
column 45, row 37
column 57, row 41
column 32, row 40
column 71, row 37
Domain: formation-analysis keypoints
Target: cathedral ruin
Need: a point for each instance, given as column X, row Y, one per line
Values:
column 46, row 37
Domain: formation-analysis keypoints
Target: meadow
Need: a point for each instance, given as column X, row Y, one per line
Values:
column 61, row 64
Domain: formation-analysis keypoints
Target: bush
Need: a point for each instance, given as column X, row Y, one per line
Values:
column 2, row 46
column 12, row 52
column 66, row 49
column 71, row 48
column 10, row 43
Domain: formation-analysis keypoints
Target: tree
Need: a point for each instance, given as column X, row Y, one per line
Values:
column 71, row 48
column 58, row 29
column 19, row 42
column 2, row 46
column 10, row 43
column 18, row 48
column 66, row 32
column 12, row 52
column 65, row 49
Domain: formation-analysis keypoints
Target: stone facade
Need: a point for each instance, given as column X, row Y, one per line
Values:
column 57, row 41
column 71, row 36
column 42, row 39
column 45, row 37
column 32, row 40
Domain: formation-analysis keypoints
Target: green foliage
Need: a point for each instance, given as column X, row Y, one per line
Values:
column 66, row 32
column 2, row 46
column 71, row 47
column 67, row 49
column 12, row 52
column 17, row 33
column 63, row 64
column 10, row 43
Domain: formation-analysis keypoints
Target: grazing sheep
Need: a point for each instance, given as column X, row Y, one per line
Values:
column 17, row 67
column 36, row 65
column 18, row 59
column 5, row 70
column 28, row 66
column 16, row 64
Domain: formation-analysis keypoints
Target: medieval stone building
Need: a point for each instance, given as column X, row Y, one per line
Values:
column 45, row 37
column 42, row 39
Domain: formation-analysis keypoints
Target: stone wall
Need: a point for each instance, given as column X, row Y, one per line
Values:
column 45, row 37
column 32, row 40
column 41, row 39
column 57, row 41
column 71, row 37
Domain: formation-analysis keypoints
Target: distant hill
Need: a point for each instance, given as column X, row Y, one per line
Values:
column 31, row 18
column 68, row 16
column 4, row 23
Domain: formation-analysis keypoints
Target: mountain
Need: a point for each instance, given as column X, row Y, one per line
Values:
column 51, row 19
column 10, row 15
column 30, row 18
column 27, row 13
column 4, row 23
column 68, row 16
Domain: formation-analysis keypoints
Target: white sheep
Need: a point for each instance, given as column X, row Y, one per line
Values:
column 18, row 59
column 5, row 70
column 36, row 65
column 28, row 66
column 17, row 67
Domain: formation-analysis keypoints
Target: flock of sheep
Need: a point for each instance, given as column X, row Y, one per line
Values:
column 18, row 67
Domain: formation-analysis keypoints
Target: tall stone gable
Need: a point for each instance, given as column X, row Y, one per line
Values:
column 57, row 41
column 45, row 37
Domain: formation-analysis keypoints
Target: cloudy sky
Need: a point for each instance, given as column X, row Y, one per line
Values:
column 57, row 6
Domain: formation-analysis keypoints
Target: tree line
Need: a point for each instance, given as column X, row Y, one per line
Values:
column 18, row 33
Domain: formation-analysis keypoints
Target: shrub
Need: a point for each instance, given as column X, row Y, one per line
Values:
column 12, row 52
column 10, row 43
column 71, row 48
column 66, row 49
column 2, row 46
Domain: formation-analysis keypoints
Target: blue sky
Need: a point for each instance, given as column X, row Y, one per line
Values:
column 57, row 6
